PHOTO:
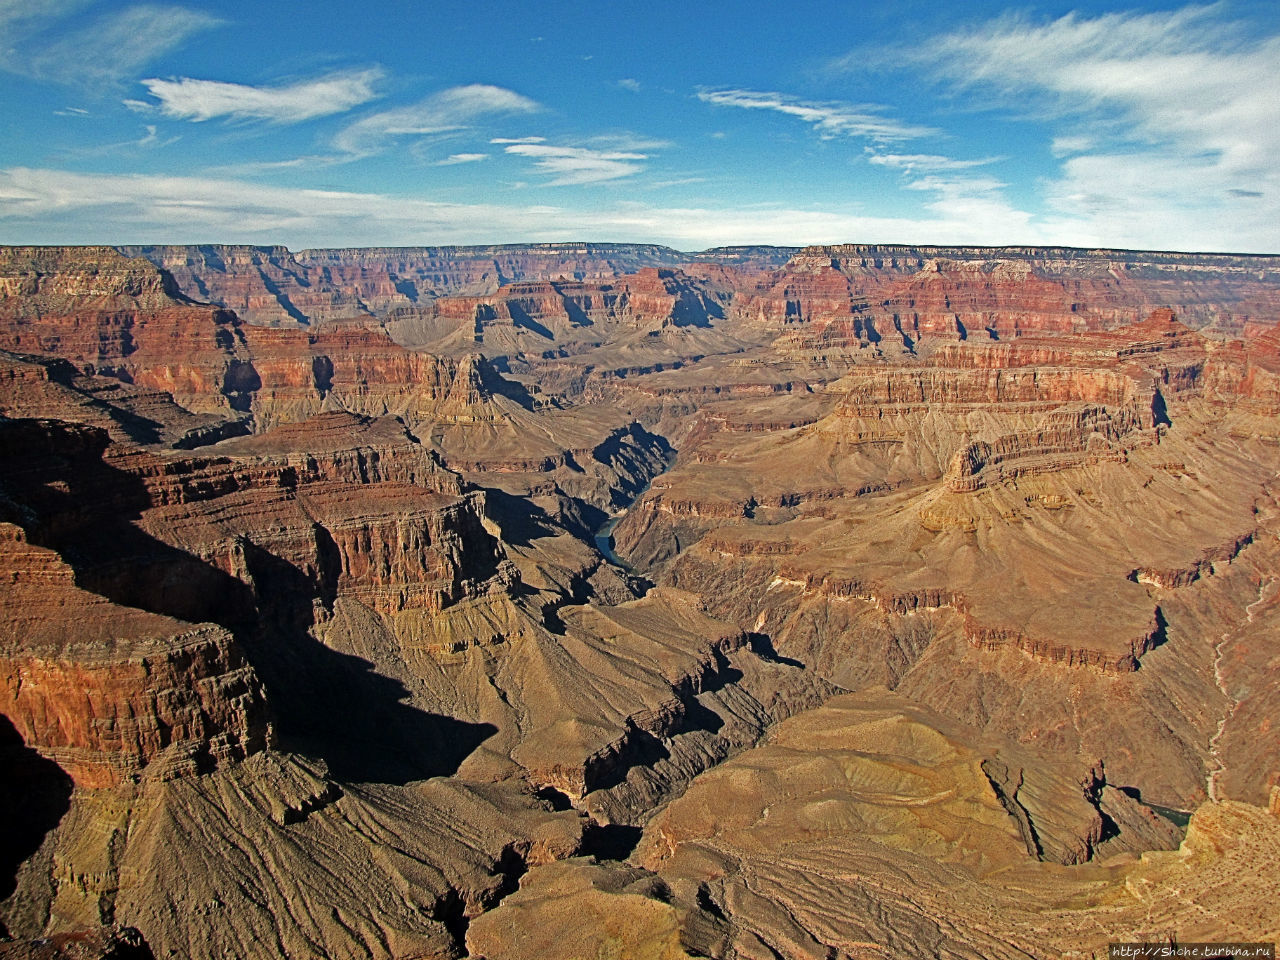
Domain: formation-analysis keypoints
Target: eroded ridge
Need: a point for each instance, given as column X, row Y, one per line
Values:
column 942, row 597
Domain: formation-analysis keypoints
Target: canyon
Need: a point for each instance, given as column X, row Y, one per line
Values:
column 564, row 600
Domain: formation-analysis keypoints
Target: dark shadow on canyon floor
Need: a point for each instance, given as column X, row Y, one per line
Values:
column 324, row 703
column 35, row 794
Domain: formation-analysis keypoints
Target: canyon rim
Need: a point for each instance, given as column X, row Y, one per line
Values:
column 544, row 600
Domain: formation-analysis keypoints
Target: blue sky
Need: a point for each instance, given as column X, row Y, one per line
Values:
column 1145, row 125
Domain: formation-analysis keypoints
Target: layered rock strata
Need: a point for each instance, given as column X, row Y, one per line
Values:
column 308, row 646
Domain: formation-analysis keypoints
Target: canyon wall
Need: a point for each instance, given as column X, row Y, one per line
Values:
column 552, row 599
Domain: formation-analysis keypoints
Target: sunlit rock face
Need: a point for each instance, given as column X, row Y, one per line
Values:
column 601, row 599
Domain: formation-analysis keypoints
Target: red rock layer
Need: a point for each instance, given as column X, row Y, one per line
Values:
column 106, row 690
column 121, row 318
column 266, row 284
column 270, row 285
column 1056, row 443
column 297, row 372
column 910, row 296
column 130, row 575
column 853, row 293
column 650, row 299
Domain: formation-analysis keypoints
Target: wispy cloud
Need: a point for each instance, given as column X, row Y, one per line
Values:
column 675, row 182
column 150, row 140
column 22, row 19
column 1182, row 110
column 197, row 100
column 959, row 191
column 14, row 13
column 572, row 166
column 1071, row 143
column 253, row 168
column 457, row 158
column 54, row 206
column 629, row 83
column 449, row 110
column 830, row 119
column 977, row 200
column 109, row 50
column 924, row 162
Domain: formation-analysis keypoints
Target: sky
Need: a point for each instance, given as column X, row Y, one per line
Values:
column 693, row 124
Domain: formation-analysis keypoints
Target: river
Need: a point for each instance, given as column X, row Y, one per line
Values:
column 604, row 540
column 604, row 535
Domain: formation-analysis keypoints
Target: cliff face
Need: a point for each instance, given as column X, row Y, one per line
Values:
column 76, row 314
column 233, row 542
column 270, row 285
column 104, row 688
column 534, row 316
column 121, row 318
column 311, row 634
column 36, row 281
column 903, row 297
column 932, row 504
column 264, row 285
column 172, row 699
column 903, row 293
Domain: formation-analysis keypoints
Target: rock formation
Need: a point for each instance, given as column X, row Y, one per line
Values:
column 601, row 599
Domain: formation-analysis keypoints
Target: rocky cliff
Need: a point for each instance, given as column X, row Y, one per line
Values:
column 270, row 285
column 905, row 298
column 577, row 599
column 879, row 290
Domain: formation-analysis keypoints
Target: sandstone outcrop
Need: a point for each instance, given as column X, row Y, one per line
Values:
column 866, row 827
column 857, row 294
column 533, row 316
column 270, row 285
column 122, row 318
column 572, row 599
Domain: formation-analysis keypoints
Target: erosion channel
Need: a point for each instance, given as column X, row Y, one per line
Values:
column 604, row 533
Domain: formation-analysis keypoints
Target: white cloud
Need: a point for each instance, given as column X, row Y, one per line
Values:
column 959, row 193
column 197, row 100
column 518, row 140
column 924, row 162
column 114, row 47
column 21, row 19
column 52, row 206
column 21, row 12
column 457, row 158
column 454, row 109
column 571, row 166
column 151, row 140
column 1158, row 200
column 978, row 200
column 830, row 118
column 1071, row 143
column 628, row 83
column 254, row 168
column 1182, row 110
column 49, row 206
column 675, row 182
column 626, row 141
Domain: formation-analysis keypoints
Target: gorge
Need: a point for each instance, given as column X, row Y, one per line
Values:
column 940, row 616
